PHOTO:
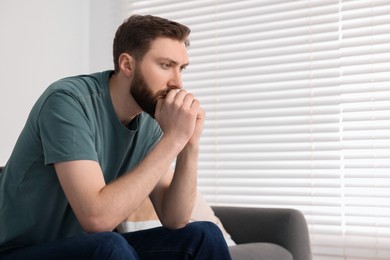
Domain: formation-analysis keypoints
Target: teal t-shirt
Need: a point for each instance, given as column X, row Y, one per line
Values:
column 74, row 119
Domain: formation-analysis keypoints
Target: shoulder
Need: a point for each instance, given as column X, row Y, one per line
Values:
column 75, row 89
column 80, row 85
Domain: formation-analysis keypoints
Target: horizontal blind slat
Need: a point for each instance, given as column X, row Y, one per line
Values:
column 297, row 97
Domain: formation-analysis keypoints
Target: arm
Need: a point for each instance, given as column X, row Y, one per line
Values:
column 101, row 207
column 174, row 197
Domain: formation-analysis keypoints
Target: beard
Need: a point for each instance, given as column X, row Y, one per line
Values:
column 143, row 95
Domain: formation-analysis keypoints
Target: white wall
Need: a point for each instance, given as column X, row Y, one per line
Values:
column 42, row 41
column 105, row 17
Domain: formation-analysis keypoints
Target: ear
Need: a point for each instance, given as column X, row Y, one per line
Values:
column 126, row 64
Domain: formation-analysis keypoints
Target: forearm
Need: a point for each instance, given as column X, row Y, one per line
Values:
column 100, row 206
column 136, row 185
column 180, row 198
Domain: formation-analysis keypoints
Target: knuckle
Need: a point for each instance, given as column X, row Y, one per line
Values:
column 177, row 105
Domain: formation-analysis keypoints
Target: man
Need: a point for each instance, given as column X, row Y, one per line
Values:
column 88, row 156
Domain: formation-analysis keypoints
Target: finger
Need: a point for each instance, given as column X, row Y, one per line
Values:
column 201, row 114
column 188, row 100
column 180, row 96
column 196, row 105
column 162, row 93
column 171, row 95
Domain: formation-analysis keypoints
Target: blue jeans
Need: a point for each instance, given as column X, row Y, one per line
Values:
column 197, row 240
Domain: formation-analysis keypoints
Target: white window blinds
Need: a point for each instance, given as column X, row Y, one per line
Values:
column 297, row 95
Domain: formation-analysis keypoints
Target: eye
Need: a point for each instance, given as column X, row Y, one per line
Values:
column 166, row 66
column 182, row 68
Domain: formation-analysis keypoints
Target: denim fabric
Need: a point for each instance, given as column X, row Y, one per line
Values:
column 197, row 240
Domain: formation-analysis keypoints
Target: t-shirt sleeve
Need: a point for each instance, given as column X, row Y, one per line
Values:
column 65, row 130
column 155, row 137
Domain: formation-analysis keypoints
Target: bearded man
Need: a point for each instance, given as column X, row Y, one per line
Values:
column 95, row 146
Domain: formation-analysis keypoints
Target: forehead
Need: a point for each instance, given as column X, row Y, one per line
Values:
column 168, row 48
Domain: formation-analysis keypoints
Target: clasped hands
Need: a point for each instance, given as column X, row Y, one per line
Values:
column 180, row 117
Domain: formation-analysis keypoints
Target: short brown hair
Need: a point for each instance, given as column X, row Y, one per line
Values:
column 137, row 32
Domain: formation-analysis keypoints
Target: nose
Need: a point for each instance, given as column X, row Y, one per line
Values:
column 175, row 81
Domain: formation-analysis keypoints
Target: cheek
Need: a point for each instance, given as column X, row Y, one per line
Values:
column 154, row 76
column 157, row 79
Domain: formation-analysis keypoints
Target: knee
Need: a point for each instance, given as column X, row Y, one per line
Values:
column 114, row 245
column 210, row 241
column 111, row 238
column 206, row 230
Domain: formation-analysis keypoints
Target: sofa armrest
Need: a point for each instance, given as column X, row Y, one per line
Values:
column 284, row 227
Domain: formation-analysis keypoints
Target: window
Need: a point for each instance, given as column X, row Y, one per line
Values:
column 297, row 95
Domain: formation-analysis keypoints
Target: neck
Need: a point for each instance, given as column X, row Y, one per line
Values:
column 125, row 107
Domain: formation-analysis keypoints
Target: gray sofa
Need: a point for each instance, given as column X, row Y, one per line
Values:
column 265, row 234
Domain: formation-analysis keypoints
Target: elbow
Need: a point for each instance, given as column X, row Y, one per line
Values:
column 174, row 225
column 95, row 225
column 174, row 221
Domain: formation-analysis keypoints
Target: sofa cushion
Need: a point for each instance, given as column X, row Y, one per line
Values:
column 259, row 251
column 145, row 217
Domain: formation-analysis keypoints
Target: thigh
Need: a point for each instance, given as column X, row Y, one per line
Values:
column 105, row 245
column 198, row 240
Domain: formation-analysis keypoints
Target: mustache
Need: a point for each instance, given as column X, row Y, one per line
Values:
column 161, row 94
